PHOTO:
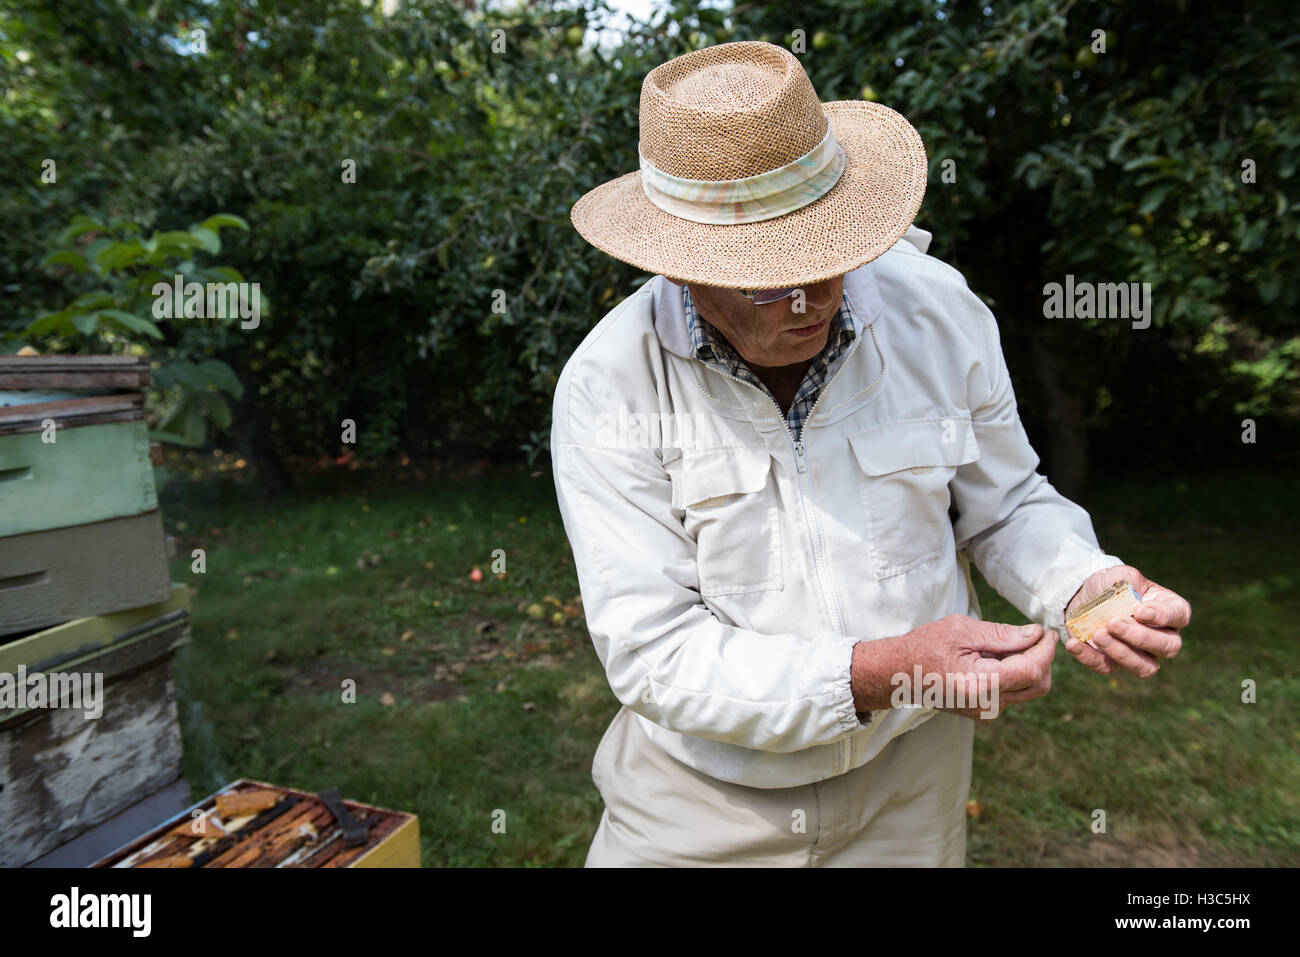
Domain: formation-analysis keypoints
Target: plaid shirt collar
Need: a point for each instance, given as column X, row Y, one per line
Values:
column 711, row 346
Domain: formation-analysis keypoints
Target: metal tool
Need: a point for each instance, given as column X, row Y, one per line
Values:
column 354, row 832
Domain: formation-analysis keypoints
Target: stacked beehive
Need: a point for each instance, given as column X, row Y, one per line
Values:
column 84, row 591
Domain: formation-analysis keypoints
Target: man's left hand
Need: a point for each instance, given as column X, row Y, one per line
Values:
column 1135, row 646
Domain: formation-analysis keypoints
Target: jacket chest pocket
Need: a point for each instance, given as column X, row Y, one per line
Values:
column 906, row 469
column 729, row 501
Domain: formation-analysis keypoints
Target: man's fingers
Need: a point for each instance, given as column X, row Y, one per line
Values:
column 1088, row 656
column 1003, row 700
column 1002, row 640
column 1163, row 609
column 1020, row 695
column 1010, row 698
column 1158, row 642
column 1028, row 668
column 1136, row 662
column 1004, row 697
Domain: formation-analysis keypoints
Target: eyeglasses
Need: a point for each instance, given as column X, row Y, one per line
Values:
column 761, row 297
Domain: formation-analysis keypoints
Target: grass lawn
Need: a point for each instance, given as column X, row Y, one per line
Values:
column 475, row 698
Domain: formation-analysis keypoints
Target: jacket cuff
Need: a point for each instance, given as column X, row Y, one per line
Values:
column 850, row 719
column 1066, row 585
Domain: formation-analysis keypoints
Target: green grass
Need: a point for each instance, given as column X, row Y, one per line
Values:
column 493, row 708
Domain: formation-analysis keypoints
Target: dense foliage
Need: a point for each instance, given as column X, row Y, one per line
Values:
column 147, row 295
column 407, row 177
column 1108, row 141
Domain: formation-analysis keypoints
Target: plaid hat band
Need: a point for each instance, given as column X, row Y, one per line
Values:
column 753, row 198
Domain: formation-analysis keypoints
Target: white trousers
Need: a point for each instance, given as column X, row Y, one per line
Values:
column 904, row 808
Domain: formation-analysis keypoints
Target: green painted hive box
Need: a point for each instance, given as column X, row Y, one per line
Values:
column 80, row 532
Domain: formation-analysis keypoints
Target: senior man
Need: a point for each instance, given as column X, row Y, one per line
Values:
column 774, row 463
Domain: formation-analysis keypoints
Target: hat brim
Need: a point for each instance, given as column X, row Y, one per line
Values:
column 864, row 214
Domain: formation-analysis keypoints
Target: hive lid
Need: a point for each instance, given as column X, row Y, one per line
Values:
column 69, row 413
column 74, row 372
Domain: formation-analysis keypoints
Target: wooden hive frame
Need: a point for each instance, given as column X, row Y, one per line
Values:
column 298, row 830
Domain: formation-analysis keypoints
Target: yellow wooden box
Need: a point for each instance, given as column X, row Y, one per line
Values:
column 297, row 831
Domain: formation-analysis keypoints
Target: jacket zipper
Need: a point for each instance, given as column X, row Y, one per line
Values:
column 810, row 514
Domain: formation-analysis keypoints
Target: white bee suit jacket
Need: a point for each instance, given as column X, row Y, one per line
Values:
column 727, row 571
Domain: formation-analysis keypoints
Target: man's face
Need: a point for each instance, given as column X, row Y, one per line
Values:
column 774, row 334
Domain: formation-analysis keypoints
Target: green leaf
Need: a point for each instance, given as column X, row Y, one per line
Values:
column 59, row 323
column 187, row 374
column 80, row 224
column 184, row 426
column 98, row 299
column 174, row 242
column 1253, row 236
column 66, row 257
column 223, row 274
column 214, row 223
column 1142, row 162
column 174, row 438
column 86, row 322
column 1117, row 146
column 132, row 322
column 217, row 409
column 119, row 254
column 91, row 254
column 222, row 376
column 207, row 238
column 1154, row 197
column 458, row 217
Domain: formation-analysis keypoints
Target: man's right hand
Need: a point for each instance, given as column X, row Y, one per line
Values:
column 1019, row 655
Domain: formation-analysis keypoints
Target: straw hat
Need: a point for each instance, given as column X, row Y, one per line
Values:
column 748, row 181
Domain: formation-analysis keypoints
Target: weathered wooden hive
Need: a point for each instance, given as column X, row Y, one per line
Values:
column 84, row 592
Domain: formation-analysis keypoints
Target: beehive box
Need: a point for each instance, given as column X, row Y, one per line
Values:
column 64, row 773
column 86, row 607
column 80, row 532
column 283, row 827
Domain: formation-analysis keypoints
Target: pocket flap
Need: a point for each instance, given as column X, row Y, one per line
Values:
column 929, row 443
column 713, row 473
